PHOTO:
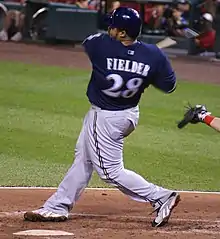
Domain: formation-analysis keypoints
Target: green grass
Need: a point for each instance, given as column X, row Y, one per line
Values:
column 41, row 113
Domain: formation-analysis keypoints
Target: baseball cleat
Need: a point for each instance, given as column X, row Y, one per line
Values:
column 44, row 215
column 3, row 35
column 164, row 212
column 17, row 37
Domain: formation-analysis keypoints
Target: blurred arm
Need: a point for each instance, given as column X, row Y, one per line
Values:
column 164, row 78
column 215, row 124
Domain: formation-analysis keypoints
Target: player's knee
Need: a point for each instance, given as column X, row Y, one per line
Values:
column 105, row 177
column 110, row 175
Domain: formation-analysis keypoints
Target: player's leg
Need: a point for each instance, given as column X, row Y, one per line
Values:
column 56, row 208
column 106, row 148
column 19, row 24
column 7, row 25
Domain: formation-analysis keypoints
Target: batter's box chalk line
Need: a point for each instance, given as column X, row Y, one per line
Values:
column 108, row 216
column 103, row 189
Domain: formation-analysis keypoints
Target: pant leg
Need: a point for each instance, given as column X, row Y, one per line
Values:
column 106, row 135
column 75, row 181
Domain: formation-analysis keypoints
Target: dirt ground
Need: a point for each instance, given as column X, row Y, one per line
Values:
column 109, row 214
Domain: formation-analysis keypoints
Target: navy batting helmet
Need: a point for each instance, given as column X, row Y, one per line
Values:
column 126, row 19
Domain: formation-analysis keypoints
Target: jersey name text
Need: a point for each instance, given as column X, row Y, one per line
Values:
column 128, row 66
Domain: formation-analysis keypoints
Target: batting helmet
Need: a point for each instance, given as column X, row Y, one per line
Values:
column 126, row 19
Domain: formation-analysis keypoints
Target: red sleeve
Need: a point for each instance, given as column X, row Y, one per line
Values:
column 207, row 40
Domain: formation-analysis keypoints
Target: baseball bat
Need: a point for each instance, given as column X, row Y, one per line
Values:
column 167, row 42
column 190, row 33
column 4, row 8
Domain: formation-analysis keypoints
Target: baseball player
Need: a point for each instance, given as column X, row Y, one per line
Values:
column 122, row 68
column 198, row 114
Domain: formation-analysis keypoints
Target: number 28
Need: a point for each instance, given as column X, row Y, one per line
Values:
column 132, row 85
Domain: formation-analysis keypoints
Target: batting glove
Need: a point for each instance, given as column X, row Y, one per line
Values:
column 201, row 113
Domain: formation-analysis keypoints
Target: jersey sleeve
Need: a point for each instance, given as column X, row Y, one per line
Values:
column 91, row 44
column 164, row 78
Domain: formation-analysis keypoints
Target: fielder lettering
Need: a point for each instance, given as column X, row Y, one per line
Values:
column 127, row 66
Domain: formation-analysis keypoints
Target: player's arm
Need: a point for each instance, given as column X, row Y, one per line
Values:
column 91, row 44
column 210, row 120
column 198, row 114
column 164, row 77
column 215, row 124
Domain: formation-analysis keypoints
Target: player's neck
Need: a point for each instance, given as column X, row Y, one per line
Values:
column 128, row 42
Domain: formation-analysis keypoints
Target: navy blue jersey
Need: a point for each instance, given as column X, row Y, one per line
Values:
column 121, row 73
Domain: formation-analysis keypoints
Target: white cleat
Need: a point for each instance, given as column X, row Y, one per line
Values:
column 3, row 35
column 17, row 37
column 44, row 215
column 164, row 212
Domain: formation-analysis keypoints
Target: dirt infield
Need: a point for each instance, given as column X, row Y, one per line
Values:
column 109, row 214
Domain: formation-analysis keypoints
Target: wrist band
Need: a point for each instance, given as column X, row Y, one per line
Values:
column 208, row 119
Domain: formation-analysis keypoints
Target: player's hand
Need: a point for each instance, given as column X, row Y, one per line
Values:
column 201, row 112
column 193, row 115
